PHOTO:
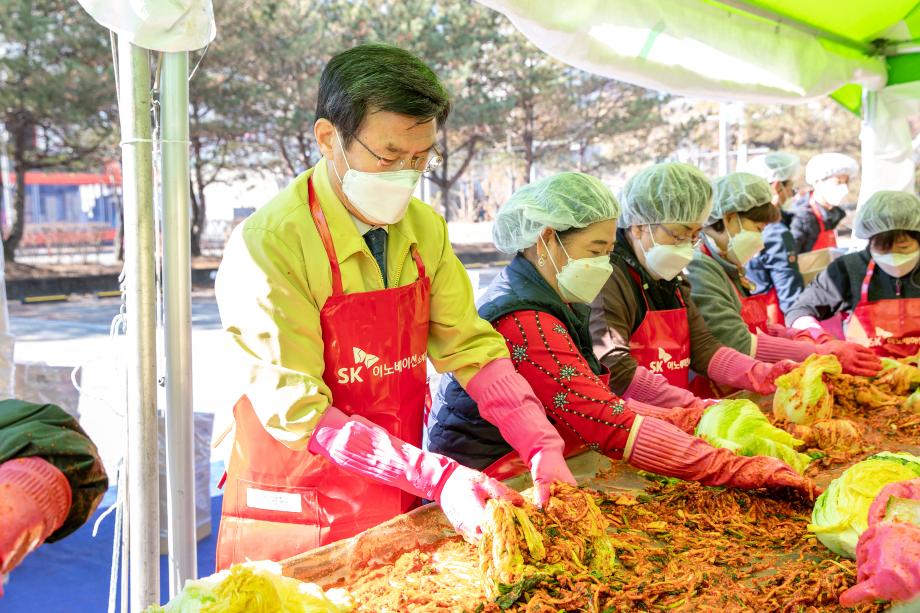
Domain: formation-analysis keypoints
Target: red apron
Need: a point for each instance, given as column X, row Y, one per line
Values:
column 774, row 312
column 826, row 238
column 279, row 502
column 754, row 308
column 890, row 327
column 661, row 343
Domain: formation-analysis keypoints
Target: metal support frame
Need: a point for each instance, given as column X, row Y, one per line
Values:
column 140, row 296
column 177, row 311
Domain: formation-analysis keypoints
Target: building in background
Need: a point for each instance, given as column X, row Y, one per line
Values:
column 67, row 209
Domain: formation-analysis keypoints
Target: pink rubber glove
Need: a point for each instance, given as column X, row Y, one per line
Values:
column 685, row 418
column 506, row 400
column 734, row 369
column 652, row 388
column 855, row 359
column 888, row 553
column 366, row 449
column 664, row 449
column 35, row 499
column 790, row 333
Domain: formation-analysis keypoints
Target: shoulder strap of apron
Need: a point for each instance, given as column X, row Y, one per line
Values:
column 638, row 280
column 705, row 249
column 864, row 292
column 817, row 212
column 323, row 228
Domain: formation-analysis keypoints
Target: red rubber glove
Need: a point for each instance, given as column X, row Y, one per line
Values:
column 734, row 369
column 35, row 499
column 888, row 553
column 364, row 448
column 855, row 359
column 506, row 400
column 662, row 448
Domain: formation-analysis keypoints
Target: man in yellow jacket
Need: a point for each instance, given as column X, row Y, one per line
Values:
column 338, row 291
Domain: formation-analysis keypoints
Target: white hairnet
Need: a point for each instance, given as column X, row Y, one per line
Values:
column 776, row 166
column 885, row 211
column 563, row 201
column 738, row 192
column 826, row 165
column 666, row 193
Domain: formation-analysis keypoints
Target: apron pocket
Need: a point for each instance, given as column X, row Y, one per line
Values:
column 277, row 521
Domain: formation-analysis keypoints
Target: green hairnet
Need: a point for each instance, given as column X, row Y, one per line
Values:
column 736, row 193
column 666, row 193
column 776, row 166
column 563, row 201
column 885, row 211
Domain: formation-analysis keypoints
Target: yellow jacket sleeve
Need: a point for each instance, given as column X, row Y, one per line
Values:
column 459, row 341
column 266, row 305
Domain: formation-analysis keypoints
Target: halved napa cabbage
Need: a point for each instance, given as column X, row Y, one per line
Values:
column 739, row 425
column 841, row 513
column 802, row 397
column 254, row 587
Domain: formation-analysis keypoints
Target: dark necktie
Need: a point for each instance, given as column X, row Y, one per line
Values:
column 376, row 241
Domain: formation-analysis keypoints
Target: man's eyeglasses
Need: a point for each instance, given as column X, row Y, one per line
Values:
column 422, row 163
column 694, row 239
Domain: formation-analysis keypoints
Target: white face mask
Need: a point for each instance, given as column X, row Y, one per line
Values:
column 833, row 193
column 381, row 197
column 666, row 261
column 897, row 264
column 787, row 204
column 744, row 245
column 581, row 280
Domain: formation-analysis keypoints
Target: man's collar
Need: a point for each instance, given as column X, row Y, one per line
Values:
column 364, row 228
column 340, row 221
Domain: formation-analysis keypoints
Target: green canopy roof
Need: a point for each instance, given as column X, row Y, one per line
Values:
column 754, row 50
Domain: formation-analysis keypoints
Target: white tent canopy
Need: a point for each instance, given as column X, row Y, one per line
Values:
column 157, row 25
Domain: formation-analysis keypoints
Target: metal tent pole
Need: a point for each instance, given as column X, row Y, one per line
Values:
column 177, row 307
column 140, row 299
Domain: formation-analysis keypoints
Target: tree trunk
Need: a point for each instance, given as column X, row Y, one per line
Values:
column 196, row 191
column 444, row 183
column 18, row 224
column 527, row 138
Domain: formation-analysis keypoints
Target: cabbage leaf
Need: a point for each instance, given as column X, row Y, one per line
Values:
column 841, row 513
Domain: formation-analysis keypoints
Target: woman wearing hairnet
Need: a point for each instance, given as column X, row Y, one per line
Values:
column 562, row 231
column 815, row 218
column 775, row 270
column 742, row 207
column 879, row 286
column 644, row 324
